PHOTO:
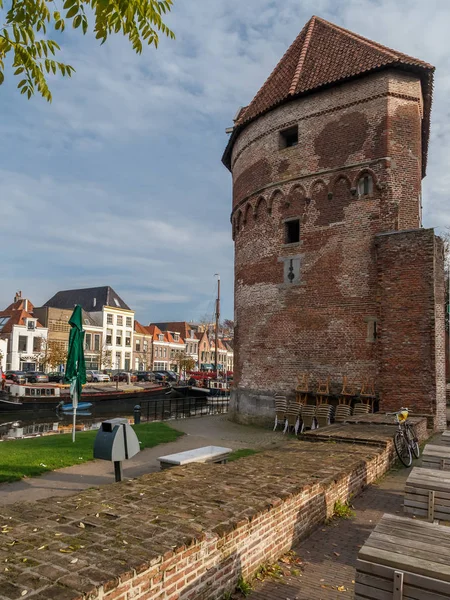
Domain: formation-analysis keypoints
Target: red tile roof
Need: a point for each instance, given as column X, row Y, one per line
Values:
column 324, row 54
column 138, row 328
column 16, row 317
column 20, row 305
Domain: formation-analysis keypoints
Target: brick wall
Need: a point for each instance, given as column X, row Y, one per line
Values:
column 186, row 533
column 411, row 326
column 368, row 127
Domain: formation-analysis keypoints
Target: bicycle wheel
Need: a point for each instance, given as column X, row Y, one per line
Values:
column 402, row 448
column 412, row 440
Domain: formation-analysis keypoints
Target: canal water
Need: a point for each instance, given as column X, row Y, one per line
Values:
column 25, row 423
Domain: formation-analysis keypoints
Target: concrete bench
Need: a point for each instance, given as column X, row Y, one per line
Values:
column 215, row 454
column 436, row 457
column 404, row 559
column 427, row 494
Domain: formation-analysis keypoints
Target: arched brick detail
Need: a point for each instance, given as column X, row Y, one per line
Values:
column 367, row 171
column 295, row 202
column 261, row 208
column 248, row 214
column 276, row 196
column 238, row 221
column 337, row 178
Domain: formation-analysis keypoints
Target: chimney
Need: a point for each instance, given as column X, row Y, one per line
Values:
column 18, row 296
column 25, row 307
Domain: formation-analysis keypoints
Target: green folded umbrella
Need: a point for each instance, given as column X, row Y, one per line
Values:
column 76, row 367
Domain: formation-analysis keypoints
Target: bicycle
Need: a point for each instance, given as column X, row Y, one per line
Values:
column 405, row 438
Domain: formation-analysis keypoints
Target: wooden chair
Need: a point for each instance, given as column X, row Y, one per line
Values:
column 280, row 410
column 343, row 411
column 323, row 415
column 302, row 389
column 348, row 393
column 368, row 391
column 323, row 390
column 293, row 417
column 308, row 414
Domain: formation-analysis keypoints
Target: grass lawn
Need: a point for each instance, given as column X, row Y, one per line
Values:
column 241, row 454
column 34, row 456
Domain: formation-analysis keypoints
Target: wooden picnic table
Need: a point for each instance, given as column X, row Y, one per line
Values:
column 404, row 559
column 445, row 439
column 436, row 457
column 427, row 494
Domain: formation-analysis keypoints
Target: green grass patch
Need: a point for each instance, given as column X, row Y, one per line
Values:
column 241, row 454
column 34, row 456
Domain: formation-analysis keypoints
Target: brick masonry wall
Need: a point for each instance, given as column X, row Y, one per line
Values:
column 411, row 325
column 183, row 534
column 371, row 126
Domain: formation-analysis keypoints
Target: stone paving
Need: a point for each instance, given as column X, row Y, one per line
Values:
column 201, row 431
column 327, row 570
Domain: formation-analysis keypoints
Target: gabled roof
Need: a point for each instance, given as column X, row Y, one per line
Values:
column 90, row 299
column 322, row 55
column 21, row 304
column 155, row 331
column 181, row 327
column 138, row 328
column 16, row 317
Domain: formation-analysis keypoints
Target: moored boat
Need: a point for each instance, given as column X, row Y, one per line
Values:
column 184, row 391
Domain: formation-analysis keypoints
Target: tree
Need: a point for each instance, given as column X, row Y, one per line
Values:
column 228, row 327
column 185, row 362
column 52, row 354
column 27, row 25
column 104, row 357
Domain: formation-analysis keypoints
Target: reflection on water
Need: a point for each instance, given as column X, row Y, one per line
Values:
column 47, row 422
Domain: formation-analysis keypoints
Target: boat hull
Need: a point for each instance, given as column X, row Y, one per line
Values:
column 26, row 403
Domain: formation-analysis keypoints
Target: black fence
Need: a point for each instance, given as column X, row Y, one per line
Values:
column 165, row 409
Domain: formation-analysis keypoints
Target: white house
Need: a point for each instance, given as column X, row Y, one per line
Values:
column 3, row 353
column 26, row 338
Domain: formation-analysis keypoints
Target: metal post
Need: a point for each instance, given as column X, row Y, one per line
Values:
column 137, row 414
column 118, row 470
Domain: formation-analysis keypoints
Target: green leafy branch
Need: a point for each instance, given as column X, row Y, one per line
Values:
column 26, row 23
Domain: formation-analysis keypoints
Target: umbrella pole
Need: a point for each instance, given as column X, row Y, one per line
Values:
column 73, row 424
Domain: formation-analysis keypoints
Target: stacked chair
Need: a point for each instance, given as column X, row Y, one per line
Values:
column 280, row 411
column 324, row 413
column 293, row 413
column 343, row 411
column 368, row 392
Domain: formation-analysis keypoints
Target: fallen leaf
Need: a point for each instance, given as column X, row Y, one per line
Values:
column 97, row 514
column 35, row 529
column 58, row 534
column 125, row 542
column 24, row 593
column 73, row 561
column 65, row 550
column 82, row 525
column 341, row 588
column 42, row 547
column 336, row 553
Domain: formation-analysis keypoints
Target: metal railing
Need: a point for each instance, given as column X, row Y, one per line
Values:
column 165, row 409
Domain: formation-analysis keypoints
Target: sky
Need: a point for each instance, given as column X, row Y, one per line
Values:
column 119, row 181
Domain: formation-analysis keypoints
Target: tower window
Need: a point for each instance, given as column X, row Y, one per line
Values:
column 289, row 137
column 292, row 231
column 365, row 185
column 372, row 333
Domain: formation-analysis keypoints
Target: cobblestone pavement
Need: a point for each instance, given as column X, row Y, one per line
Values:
column 201, row 431
column 329, row 555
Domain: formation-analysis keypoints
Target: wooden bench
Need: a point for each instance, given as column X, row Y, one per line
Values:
column 404, row 559
column 427, row 494
column 436, row 457
column 445, row 439
column 215, row 454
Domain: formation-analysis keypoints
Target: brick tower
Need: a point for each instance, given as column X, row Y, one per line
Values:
column 333, row 273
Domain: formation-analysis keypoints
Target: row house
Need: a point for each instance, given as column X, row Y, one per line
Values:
column 187, row 332
column 160, row 349
column 57, row 322
column 142, row 348
column 25, row 336
column 111, row 315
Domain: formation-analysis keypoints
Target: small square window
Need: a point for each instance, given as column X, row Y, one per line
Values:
column 289, row 137
column 292, row 231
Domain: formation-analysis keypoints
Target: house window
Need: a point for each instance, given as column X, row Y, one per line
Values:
column 292, row 231
column 118, row 338
column 118, row 360
column 97, row 342
column 165, row 352
column 109, row 319
column 288, row 137
column 119, row 320
column 138, row 345
column 160, row 337
column 87, row 341
column 23, row 343
column 109, row 335
column 37, row 344
column 176, row 337
column 365, row 185
column 31, row 325
column 145, row 345
column 129, row 322
column 127, row 339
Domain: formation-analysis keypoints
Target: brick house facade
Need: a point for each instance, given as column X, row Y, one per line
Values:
column 333, row 273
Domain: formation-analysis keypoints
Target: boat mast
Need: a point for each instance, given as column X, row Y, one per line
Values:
column 216, row 341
